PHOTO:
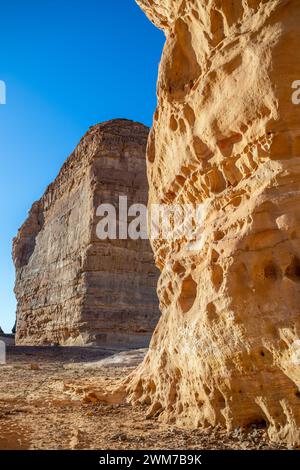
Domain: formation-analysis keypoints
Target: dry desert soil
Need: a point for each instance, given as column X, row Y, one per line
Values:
column 42, row 407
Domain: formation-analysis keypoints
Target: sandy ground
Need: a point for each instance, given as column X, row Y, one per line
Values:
column 38, row 411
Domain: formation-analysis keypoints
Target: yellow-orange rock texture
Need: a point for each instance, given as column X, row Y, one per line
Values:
column 226, row 135
column 73, row 288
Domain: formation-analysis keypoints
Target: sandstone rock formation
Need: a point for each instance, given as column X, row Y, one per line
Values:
column 226, row 136
column 71, row 287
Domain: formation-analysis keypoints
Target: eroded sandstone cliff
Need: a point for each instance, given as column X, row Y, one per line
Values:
column 226, row 135
column 72, row 287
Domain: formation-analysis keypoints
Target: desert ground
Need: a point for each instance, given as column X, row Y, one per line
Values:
column 42, row 406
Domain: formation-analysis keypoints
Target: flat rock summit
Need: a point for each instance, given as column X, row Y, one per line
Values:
column 225, row 142
column 73, row 288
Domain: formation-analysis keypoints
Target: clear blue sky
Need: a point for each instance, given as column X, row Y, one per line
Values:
column 67, row 64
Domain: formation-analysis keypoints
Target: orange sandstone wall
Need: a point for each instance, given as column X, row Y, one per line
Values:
column 226, row 136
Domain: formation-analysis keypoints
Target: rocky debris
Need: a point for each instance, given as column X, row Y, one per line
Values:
column 226, row 137
column 73, row 288
column 37, row 412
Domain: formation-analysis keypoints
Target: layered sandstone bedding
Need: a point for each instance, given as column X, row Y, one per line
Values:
column 226, row 137
column 73, row 288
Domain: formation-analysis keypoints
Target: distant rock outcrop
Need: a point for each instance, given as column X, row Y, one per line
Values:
column 71, row 287
column 226, row 137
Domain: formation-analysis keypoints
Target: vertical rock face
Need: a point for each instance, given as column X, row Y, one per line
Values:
column 71, row 286
column 226, row 136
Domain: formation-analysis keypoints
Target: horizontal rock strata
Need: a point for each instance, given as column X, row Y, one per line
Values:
column 71, row 287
